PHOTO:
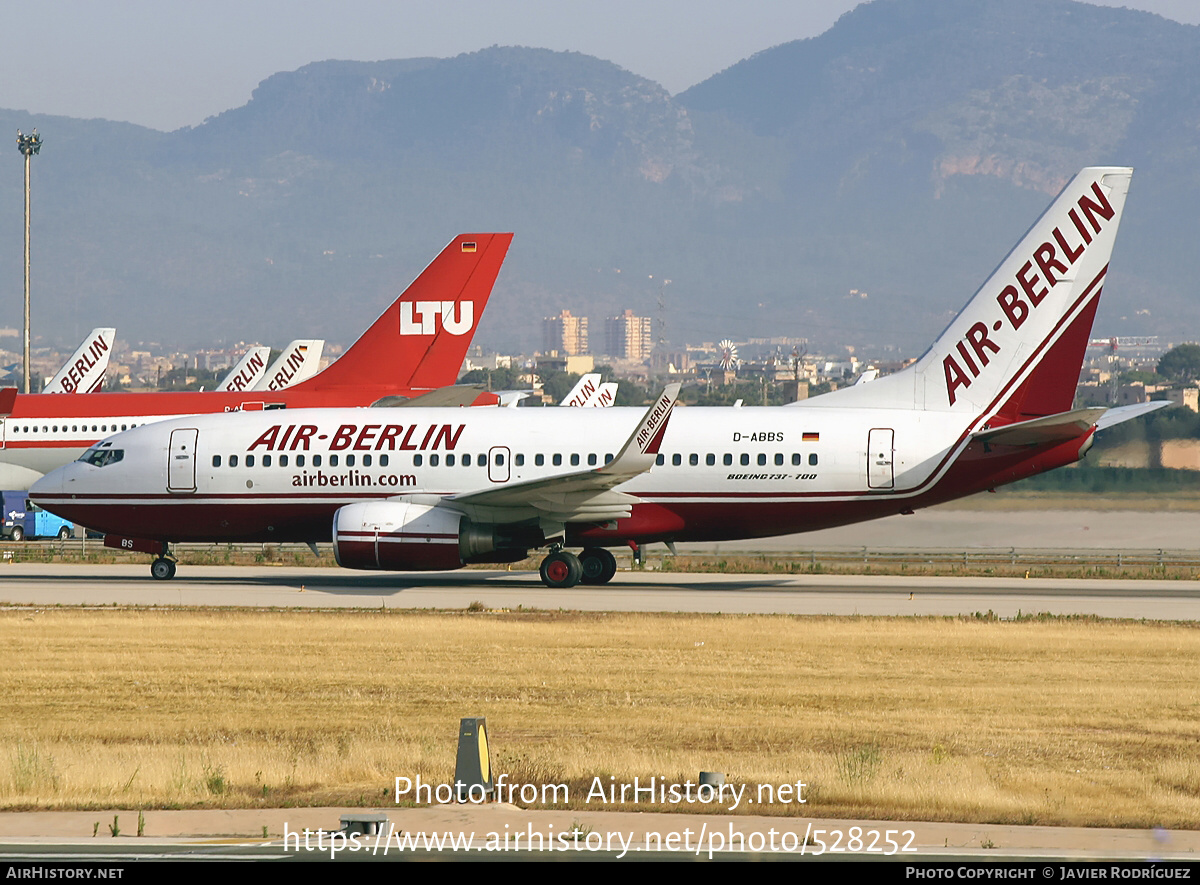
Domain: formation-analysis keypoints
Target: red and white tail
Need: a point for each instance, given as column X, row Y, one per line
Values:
column 421, row 340
column 84, row 371
column 1015, row 350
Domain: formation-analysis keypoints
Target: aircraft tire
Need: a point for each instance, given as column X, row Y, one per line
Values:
column 561, row 569
column 18, row 534
column 599, row 566
column 162, row 569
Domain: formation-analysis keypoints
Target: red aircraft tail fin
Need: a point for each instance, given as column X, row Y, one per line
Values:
column 421, row 340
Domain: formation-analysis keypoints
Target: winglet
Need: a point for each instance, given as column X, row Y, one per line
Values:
column 641, row 449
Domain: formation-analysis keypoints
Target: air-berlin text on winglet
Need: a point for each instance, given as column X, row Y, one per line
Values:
column 365, row 438
column 420, row 317
column 86, row 361
column 647, row 434
column 1053, row 259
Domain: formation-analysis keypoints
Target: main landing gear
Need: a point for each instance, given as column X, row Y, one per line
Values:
column 593, row 566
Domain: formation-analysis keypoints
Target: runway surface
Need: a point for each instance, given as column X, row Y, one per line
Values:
column 277, row 587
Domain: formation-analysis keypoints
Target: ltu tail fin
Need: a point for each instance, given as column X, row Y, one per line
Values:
column 420, row 341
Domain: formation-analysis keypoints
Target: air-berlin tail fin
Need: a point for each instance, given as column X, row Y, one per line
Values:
column 248, row 371
column 585, row 388
column 84, row 371
column 420, row 341
column 298, row 362
column 1014, row 352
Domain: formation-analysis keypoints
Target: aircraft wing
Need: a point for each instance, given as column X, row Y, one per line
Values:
column 584, row 495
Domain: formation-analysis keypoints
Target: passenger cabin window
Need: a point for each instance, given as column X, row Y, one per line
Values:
column 812, row 459
column 216, row 460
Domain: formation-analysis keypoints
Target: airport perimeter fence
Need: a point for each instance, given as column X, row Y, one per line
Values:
column 704, row 558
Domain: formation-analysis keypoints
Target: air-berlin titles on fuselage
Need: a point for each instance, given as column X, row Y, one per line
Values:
column 86, row 361
column 367, row 438
column 420, row 317
column 1053, row 264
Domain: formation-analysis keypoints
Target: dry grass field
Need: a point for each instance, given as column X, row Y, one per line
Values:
column 1038, row 721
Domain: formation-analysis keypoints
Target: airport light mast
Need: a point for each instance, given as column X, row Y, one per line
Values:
column 28, row 145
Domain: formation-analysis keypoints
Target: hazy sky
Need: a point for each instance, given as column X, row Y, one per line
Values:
column 168, row 63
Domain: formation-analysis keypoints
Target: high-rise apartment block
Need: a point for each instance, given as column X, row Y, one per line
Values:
column 565, row 334
column 629, row 337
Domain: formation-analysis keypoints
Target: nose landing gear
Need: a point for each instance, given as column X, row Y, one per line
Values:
column 162, row 569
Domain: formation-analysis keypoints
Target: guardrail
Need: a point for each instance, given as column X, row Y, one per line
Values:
column 974, row 559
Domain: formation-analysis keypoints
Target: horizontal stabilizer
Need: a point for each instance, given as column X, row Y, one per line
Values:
column 1039, row 431
column 1122, row 414
column 442, row 398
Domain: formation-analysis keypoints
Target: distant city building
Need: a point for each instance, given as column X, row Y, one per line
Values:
column 565, row 334
column 628, row 337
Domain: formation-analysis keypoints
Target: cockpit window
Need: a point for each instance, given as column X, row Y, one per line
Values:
column 101, row 457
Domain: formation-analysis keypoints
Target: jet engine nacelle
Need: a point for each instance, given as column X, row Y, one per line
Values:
column 396, row 536
column 400, row 536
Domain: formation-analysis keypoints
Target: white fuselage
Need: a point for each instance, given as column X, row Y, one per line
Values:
column 722, row 472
